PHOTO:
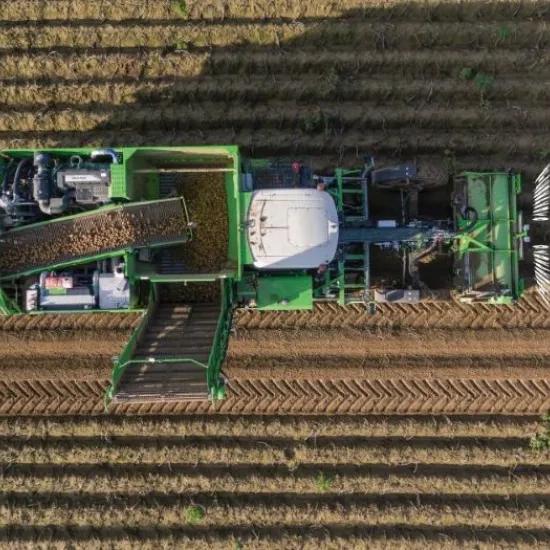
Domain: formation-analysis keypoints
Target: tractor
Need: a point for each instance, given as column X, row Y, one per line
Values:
column 186, row 234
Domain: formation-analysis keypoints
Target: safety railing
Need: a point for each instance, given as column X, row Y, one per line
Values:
column 125, row 358
column 219, row 344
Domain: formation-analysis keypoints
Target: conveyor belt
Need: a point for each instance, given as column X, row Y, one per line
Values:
column 101, row 231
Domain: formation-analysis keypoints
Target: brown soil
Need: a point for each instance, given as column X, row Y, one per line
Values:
column 381, row 353
column 529, row 312
column 70, row 321
column 63, row 355
column 270, row 482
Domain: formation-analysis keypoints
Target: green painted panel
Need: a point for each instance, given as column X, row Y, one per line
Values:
column 491, row 245
column 500, row 191
column 246, row 254
column 285, row 292
column 118, row 188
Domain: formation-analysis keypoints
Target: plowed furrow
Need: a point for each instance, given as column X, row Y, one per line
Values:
column 169, row 91
column 22, row 11
column 141, row 64
column 529, row 313
column 346, row 117
column 459, row 533
column 304, row 34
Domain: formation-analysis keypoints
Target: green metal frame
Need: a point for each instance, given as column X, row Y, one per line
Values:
column 8, row 306
column 346, row 183
column 121, row 362
column 236, row 281
column 493, row 240
column 215, row 359
column 221, row 339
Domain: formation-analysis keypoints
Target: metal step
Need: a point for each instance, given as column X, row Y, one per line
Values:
column 177, row 341
column 174, row 331
column 150, row 382
column 148, row 367
column 173, row 351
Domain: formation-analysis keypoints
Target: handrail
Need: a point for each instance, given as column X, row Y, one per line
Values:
column 121, row 361
column 167, row 360
column 221, row 337
column 215, row 358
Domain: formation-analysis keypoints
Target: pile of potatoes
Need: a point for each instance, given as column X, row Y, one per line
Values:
column 84, row 236
column 205, row 197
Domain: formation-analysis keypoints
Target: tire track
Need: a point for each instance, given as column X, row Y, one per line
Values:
column 368, row 35
column 529, row 312
column 47, row 397
column 321, row 396
column 428, row 396
column 69, row 321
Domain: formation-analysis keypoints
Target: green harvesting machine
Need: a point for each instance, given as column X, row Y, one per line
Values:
column 186, row 234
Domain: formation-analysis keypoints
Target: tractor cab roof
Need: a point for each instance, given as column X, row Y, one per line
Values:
column 292, row 228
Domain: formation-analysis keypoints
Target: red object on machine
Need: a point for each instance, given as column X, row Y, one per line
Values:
column 61, row 281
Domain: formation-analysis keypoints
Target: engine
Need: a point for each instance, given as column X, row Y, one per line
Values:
column 101, row 286
column 44, row 185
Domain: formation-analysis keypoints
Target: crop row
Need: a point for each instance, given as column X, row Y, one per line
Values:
column 140, row 65
column 141, row 479
column 350, row 34
column 521, row 147
column 312, row 540
column 166, row 92
column 299, row 428
column 22, row 11
column 269, row 451
column 325, row 118
column 264, row 512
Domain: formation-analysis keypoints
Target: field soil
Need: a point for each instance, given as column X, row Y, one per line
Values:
column 382, row 353
column 448, row 85
column 70, row 354
column 273, row 482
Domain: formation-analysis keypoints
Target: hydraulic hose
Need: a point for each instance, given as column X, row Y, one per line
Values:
column 17, row 176
column 5, row 180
